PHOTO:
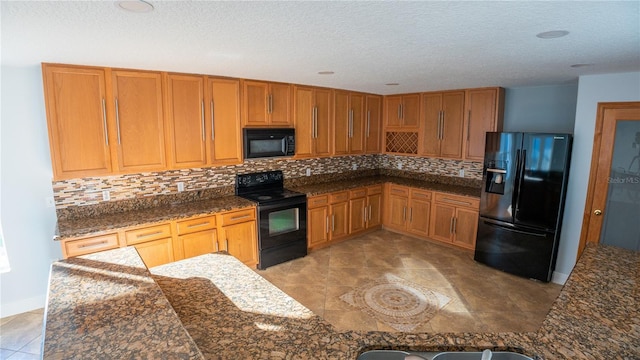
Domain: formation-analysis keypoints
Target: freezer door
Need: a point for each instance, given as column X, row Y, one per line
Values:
column 502, row 155
column 542, row 179
column 514, row 250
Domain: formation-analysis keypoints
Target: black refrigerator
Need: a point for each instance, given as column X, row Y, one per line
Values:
column 523, row 191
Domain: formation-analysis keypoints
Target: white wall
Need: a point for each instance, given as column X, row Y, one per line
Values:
column 550, row 109
column 592, row 89
column 27, row 223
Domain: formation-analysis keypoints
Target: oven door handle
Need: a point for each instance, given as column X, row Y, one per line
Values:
column 295, row 202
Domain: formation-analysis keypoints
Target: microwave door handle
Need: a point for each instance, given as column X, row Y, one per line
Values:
column 285, row 145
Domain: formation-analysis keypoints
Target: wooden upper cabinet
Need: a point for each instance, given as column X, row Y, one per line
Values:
column 186, row 142
column 484, row 112
column 402, row 110
column 312, row 112
column 442, row 124
column 77, row 119
column 348, row 123
column 139, row 120
column 222, row 121
column 373, row 124
column 266, row 104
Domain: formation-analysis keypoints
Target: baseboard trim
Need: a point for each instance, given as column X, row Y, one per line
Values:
column 559, row 278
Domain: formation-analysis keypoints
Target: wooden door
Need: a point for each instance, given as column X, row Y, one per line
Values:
column 372, row 125
column 442, row 222
column 339, row 220
column 375, row 210
column 452, row 125
column 356, row 139
column 484, row 113
column 198, row 243
column 139, row 120
column 155, row 252
column 77, row 120
column 357, row 218
column 303, row 114
column 318, row 226
column 419, row 213
column 341, row 123
column 186, row 142
column 411, row 110
column 254, row 103
column 613, row 195
column 431, row 123
column 280, row 105
column 465, row 228
column 223, row 125
column 322, row 143
column 392, row 111
column 240, row 241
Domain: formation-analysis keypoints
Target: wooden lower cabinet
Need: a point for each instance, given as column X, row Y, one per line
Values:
column 455, row 220
column 196, row 236
column 339, row 215
column 408, row 209
column 156, row 252
column 88, row 245
column 239, row 236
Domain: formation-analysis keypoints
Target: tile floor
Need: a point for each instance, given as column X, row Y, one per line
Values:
column 482, row 299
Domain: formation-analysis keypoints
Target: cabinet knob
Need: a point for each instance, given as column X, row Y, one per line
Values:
column 597, row 212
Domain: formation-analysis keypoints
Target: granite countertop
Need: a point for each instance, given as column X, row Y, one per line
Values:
column 231, row 312
column 105, row 223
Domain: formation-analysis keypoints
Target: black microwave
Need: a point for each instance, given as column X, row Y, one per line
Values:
column 268, row 142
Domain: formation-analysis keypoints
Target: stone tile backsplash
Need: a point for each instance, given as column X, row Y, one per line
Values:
column 89, row 191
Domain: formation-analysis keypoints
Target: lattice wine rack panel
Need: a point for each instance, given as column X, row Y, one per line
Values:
column 402, row 142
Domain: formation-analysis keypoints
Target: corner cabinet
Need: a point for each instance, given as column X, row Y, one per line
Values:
column 455, row 220
column 484, row 110
column 266, row 104
column 408, row 210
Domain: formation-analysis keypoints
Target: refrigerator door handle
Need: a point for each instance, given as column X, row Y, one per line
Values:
column 516, row 187
column 512, row 228
column 523, row 161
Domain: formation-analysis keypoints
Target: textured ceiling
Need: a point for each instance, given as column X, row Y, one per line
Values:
column 427, row 45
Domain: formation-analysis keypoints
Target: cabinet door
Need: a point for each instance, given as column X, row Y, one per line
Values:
column 198, row 243
column 318, row 226
column 280, row 105
column 304, row 120
column 419, row 215
column 484, row 113
column 357, row 218
column 341, row 123
column 224, row 127
column 77, row 120
column 356, row 138
column 240, row 240
column 155, row 252
column 339, row 220
column 392, row 111
column 465, row 227
column 139, row 120
column 323, row 122
column 375, row 210
column 452, row 124
column 431, row 123
column 397, row 211
column 442, row 222
column 372, row 126
column 411, row 110
column 186, row 142
column 255, row 98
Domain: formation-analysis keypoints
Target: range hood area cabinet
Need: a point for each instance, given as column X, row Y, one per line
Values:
column 103, row 121
column 203, row 121
column 266, row 104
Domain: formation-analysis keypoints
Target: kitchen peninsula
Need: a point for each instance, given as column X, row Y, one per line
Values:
column 108, row 303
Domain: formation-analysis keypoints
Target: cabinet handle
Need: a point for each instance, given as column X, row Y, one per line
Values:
column 333, row 223
column 269, row 104
column 442, row 125
column 104, row 122
column 139, row 236
column 399, row 111
column 364, row 214
column 410, row 214
column 351, row 123
column 327, row 222
column 370, row 216
column 213, row 137
column 118, row 120
column 468, row 124
column 92, row 244
column 240, row 217
column 451, row 226
column 198, row 224
column 404, row 213
column 314, row 129
column 455, row 224
column 368, row 122
column 226, row 244
column 202, row 117
column 217, row 247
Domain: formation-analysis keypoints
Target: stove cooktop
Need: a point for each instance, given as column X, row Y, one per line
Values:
column 267, row 196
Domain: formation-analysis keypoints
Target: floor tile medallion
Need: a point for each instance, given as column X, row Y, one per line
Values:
column 401, row 304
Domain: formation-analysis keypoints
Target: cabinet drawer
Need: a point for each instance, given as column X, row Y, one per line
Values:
column 147, row 234
column 458, row 200
column 240, row 216
column 90, row 245
column 376, row 189
column 398, row 190
column 357, row 193
column 197, row 224
column 317, row 201
column 339, row 197
column 421, row 194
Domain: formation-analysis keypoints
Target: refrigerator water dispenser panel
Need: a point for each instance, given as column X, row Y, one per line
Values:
column 495, row 180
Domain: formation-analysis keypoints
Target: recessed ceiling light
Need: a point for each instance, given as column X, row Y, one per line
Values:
column 392, row 84
column 580, row 65
column 138, row 6
column 553, row 34
column 325, row 72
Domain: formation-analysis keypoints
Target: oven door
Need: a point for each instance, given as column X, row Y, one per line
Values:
column 282, row 223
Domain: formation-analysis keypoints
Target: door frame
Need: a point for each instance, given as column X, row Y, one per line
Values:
column 596, row 155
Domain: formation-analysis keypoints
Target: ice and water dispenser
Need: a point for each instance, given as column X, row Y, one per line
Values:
column 496, row 173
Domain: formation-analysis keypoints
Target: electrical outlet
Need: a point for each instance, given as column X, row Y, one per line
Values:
column 180, row 187
column 461, row 173
column 106, row 195
column 354, row 167
column 308, row 172
column 399, row 166
column 49, row 202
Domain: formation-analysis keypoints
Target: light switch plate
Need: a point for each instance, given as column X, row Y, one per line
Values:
column 180, row 187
